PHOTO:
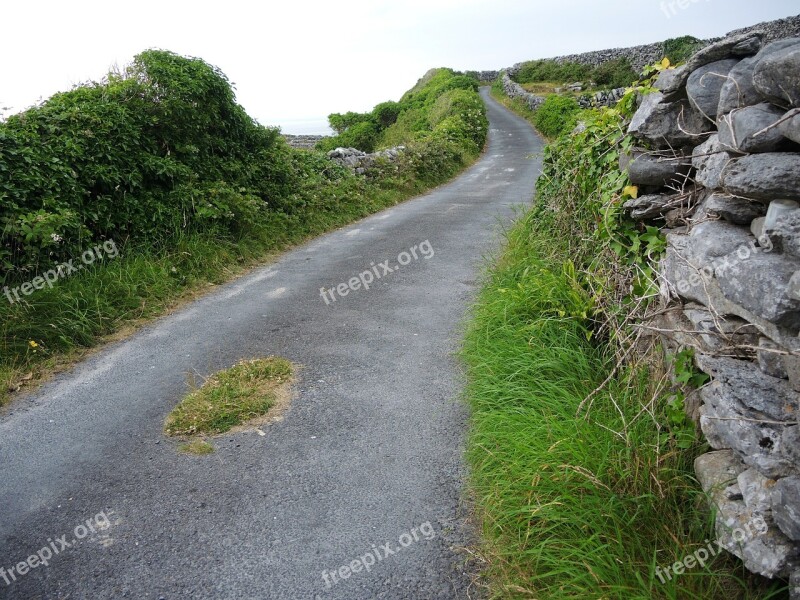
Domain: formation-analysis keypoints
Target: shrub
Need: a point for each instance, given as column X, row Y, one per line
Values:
column 361, row 136
column 130, row 157
column 549, row 70
column 615, row 73
column 557, row 115
column 678, row 50
column 386, row 113
column 341, row 122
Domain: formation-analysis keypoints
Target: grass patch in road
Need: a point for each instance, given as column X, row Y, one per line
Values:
column 575, row 507
column 232, row 397
column 196, row 447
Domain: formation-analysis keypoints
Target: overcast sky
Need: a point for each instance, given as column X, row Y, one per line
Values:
column 304, row 59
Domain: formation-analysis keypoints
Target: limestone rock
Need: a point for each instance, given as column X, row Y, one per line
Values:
column 770, row 360
column 794, row 585
column 648, row 169
column 749, row 387
column 777, row 74
column 710, row 159
column 742, row 530
column 785, row 234
column 689, row 261
column 748, row 130
column 669, row 77
column 739, row 211
column 717, row 470
column 727, row 423
column 790, row 127
column 791, row 442
column 769, row 176
column 719, row 334
column 756, row 491
column 739, row 90
column 650, row 206
column 705, row 85
column 786, row 506
column 759, row 281
column 668, row 125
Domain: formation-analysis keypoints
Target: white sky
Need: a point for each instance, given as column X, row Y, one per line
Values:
column 308, row 58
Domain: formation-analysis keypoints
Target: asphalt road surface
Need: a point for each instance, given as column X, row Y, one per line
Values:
column 366, row 467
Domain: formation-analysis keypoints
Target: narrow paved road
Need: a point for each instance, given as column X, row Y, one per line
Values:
column 366, row 466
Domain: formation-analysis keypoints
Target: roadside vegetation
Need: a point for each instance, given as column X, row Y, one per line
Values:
column 546, row 77
column 611, row 74
column 442, row 114
column 160, row 162
column 242, row 394
column 580, row 448
column 557, row 115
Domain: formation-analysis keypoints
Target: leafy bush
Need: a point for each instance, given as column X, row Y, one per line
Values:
column 615, row 73
column 550, row 70
column 386, row 113
column 131, row 157
column 442, row 113
column 611, row 74
column 362, row 136
column 678, row 50
column 341, row 122
column 556, row 115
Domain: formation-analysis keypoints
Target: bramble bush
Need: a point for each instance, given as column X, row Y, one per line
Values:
column 549, row 70
column 678, row 50
column 557, row 115
column 160, row 148
column 441, row 121
column 611, row 74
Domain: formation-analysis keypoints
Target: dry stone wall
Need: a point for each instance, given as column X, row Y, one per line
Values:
column 306, row 142
column 648, row 54
column 719, row 166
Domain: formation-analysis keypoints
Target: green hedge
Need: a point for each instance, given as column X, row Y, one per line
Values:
column 611, row 74
column 557, row 115
column 162, row 147
column 444, row 104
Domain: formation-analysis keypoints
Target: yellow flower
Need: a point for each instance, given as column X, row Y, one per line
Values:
column 33, row 344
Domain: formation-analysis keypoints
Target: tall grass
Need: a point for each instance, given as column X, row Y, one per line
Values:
column 575, row 506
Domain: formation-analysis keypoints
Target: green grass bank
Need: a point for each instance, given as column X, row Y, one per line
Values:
column 580, row 451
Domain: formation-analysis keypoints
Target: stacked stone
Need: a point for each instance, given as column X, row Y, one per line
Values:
column 602, row 98
column 305, row 142
column 488, row 76
column 360, row 162
column 648, row 54
column 720, row 163
column 515, row 90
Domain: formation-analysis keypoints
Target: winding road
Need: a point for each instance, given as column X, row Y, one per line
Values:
column 366, row 465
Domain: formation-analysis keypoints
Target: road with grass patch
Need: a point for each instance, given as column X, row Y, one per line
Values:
column 367, row 460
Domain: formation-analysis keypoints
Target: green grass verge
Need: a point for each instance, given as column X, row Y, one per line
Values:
column 575, row 507
column 246, row 391
column 196, row 447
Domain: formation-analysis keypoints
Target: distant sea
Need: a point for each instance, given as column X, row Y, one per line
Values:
column 313, row 126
